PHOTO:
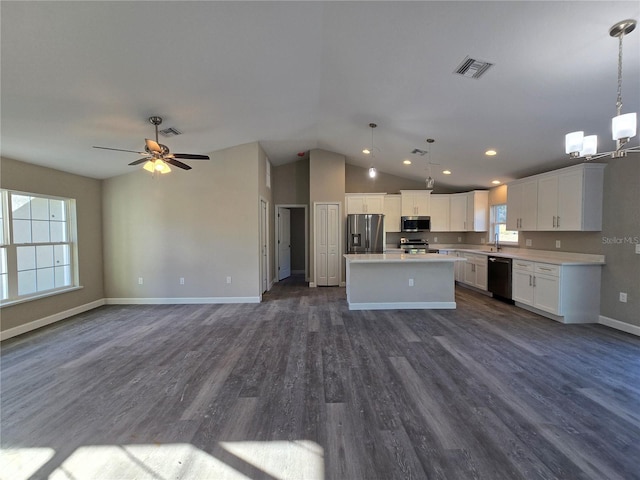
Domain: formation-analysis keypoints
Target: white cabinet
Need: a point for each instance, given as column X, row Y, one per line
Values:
column 475, row 270
column 440, row 205
column 392, row 213
column 365, row 203
column 522, row 205
column 537, row 285
column 458, row 212
column 416, row 203
column 570, row 199
column 469, row 211
column 458, row 266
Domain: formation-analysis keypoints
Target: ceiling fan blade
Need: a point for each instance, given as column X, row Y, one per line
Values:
column 152, row 145
column 141, row 160
column 176, row 163
column 120, row 150
column 190, row 156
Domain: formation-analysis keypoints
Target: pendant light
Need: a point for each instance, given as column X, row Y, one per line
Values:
column 430, row 181
column 369, row 151
column 623, row 126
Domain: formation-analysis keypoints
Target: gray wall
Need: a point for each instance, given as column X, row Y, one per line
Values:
column 326, row 184
column 357, row 180
column 291, row 183
column 620, row 233
column 202, row 225
column 30, row 178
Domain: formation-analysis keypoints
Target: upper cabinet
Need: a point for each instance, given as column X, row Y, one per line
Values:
column 569, row 199
column 392, row 211
column 522, row 205
column 415, row 203
column 440, row 208
column 469, row 211
column 365, row 202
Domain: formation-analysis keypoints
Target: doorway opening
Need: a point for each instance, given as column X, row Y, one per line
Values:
column 292, row 244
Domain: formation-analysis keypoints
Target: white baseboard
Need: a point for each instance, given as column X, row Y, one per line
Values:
column 180, row 300
column 618, row 325
column 402, row 306
column 27, row 327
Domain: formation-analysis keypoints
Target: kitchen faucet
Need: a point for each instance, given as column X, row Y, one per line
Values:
column 497, row 243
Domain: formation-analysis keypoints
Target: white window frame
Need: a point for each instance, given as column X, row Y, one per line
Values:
column 9, row 248
column 495, row 227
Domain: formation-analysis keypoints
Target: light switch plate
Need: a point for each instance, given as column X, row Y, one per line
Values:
column 557, row 243
column 638, row 248
column 528, row 242
column 623, row 297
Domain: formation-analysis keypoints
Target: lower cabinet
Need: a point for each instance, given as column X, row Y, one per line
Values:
column 475, row 270
column 566, row 293
column 537, row 284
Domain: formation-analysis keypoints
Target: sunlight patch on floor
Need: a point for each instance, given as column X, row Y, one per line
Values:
column 296, row 460
column 153, row 462
column 21, row 463
column 281, row 460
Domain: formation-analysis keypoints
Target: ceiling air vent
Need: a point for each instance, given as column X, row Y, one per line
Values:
column 472, row 68
column 169, row 132
column 417, row 151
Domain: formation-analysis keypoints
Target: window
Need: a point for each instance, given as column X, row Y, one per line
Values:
column 38, row 248
column 499, row 225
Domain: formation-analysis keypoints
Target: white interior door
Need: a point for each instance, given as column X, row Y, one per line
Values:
column 333, row 245
column 327, row 228
column 284, row 243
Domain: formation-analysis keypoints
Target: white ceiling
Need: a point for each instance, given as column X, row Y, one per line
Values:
column 302, row 75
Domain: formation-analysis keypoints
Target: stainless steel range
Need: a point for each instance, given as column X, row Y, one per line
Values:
column 415, row 246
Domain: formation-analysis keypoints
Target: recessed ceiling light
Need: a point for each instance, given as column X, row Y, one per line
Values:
column 366, row 151
column 496, row 182
column 447, row 172
column 407, row 162
column 490, row 153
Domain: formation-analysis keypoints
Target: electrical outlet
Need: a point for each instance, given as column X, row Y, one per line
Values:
column 638, row 248
column 528, row 242
column 181, row 280
column 140, row 281
column 411, row 282
column 228, row 279
column 482, row 241
column 557, row 243
column 623, row 297
column 435, row 240
column 459, row 239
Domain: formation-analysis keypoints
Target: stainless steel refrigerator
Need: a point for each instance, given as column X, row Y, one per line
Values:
column 365, row 233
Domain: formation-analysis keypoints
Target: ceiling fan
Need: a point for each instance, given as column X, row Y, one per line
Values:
column 157, row 156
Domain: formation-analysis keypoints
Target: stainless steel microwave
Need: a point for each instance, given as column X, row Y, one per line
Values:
column 415, row 224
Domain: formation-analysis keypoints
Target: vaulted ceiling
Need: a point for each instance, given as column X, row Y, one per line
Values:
column 302, row 75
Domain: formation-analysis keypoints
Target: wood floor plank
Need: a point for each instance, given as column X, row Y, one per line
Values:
column 485, row 391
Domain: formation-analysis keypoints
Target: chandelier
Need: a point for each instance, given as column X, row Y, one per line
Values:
column 623, row 126
column 429, row 181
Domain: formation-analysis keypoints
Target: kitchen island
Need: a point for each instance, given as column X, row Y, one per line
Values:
column 389, row 281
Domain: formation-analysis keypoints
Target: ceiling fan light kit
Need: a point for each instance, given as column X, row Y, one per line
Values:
column 623, row 126
column 159, row 157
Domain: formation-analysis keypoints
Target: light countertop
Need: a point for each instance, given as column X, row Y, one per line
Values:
column 399, row 258
column 543, row 256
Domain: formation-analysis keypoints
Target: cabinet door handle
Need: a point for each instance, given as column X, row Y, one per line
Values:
column 530, row 284
column 534, row 281
column 545, row 269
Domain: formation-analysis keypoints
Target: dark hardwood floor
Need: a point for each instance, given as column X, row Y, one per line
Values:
column 300, row 387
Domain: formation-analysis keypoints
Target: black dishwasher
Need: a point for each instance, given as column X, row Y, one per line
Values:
column 499, row 277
